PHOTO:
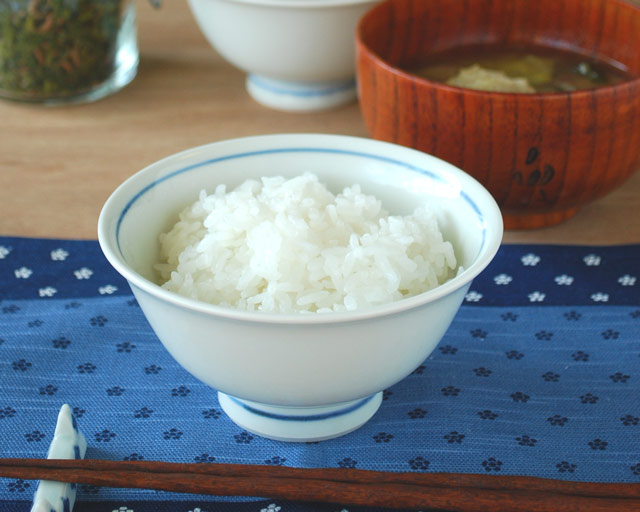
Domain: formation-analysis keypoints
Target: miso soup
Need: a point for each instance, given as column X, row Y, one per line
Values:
column 518, row 69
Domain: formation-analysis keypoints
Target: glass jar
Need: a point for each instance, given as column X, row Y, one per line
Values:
column 64, row 51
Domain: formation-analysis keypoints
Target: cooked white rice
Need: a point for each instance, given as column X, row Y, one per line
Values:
column 291, row 245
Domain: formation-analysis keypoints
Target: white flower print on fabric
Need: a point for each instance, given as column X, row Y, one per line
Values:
column 627, row 280
column 23, row 273
column 502, row 279
column 592, row 260
column 83, row 273
column 530, row 260
column 107, row 290
column 600, row 297
column 563, row 280
column 4, row 251
column 58, row 255
column 197, row 509
column 271, row 508
column 122, row 509
column 536, row 296
column 473, row 296
column 49, row 291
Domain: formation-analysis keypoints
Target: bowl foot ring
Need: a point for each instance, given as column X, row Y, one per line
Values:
column 300, row 96
column 300, row 424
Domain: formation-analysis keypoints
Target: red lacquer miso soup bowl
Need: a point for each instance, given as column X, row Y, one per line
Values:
column 542, row 155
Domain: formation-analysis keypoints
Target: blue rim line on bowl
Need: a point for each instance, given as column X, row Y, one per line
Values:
column 287, row 150
column 118, row 261
column 311, row 89
column 302, row 4
column 310, row 417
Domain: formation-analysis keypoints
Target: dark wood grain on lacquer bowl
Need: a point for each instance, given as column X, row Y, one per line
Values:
column 542, row 156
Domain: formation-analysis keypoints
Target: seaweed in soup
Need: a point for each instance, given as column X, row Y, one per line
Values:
column 525, row 69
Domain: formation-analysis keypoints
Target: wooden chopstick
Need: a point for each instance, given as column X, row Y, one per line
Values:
column 445, row 491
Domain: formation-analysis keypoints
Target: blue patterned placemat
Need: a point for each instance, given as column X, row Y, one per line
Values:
column 538, row 375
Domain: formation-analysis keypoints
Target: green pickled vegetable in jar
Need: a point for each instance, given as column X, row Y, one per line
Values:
column 60, row 51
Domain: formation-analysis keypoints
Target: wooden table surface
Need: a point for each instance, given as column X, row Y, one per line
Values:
column 59, row 164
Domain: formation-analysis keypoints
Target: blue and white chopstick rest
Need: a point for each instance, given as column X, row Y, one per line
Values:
column 68, row 443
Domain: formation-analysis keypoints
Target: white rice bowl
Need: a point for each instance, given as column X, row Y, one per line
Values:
column 291, row 245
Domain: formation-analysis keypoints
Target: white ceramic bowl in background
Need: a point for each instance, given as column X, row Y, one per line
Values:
column 299, row 54
column 299, row 377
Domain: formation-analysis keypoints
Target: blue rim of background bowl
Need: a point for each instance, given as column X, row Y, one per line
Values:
column 303, row 4
column 295, row 318
column 302, row 90
column 246, row 154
